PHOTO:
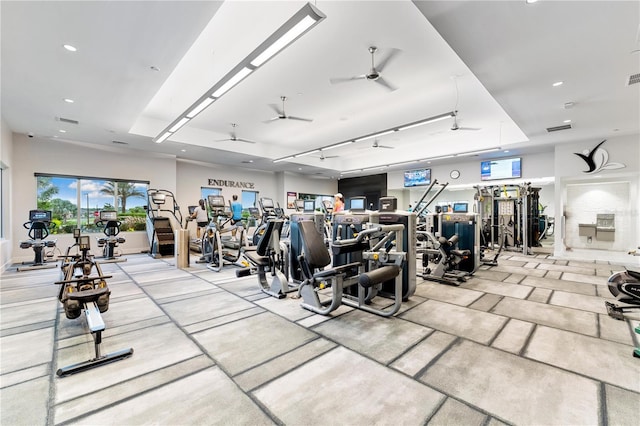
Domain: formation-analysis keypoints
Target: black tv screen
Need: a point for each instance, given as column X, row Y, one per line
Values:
column 417, row 177
column 507, row 168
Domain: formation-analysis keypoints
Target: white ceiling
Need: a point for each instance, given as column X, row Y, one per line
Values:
column 504, row 56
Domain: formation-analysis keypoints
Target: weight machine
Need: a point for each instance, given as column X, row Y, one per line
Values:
column 38, row 225
column 509, row 216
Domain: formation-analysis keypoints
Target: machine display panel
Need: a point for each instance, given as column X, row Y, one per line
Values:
column 309, row 206
column 357, row 203
column 460, row 207
column 40, row 215
column 216, row 201
column 267, row 203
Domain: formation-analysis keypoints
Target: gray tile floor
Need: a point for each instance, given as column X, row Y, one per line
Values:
column 526, row 342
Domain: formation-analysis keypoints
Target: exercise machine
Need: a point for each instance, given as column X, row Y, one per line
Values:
column 625, row 287
column 388, row 214
column 380, row 264
column 109, row 220
column 270, row 262
column 38, row 225
column 453, row 254
column 509, row 216
column 81, row 292
column 161, row 208
column 270, row 211
column 218, row 250
column 294, row 245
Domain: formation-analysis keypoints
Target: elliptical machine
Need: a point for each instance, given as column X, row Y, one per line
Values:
column 109, row 219
column 38, row 225
column 216, row 250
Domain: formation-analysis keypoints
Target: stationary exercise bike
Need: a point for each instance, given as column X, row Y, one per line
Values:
column 38, row 225
column 109, row 220
column 80, row 291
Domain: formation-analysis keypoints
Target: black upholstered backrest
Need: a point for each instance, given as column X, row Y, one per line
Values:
column 265, row 240
column 315, row 252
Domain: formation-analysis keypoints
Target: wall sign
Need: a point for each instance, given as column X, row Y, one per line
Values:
column 598, row 159
column 231, row 183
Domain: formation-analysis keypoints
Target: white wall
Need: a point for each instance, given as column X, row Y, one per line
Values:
column 36, row 155
column 6, row 158
column 534, row 167
column 610, row 190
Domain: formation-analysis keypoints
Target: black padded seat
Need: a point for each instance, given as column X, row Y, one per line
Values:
column 259, row 255
column 316, row 255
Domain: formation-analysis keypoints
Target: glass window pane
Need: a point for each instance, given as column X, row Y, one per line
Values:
column 58, row 194
column 249, row 199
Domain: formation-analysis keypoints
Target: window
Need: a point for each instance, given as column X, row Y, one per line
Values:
column 63, row 194
column 249, row 199
column 206, row 191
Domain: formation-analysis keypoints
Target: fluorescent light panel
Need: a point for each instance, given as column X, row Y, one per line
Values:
column 200, row 107
column 298, row 24
column 163, row 137
column 428, row 121
column 375, row 135
column 482, row 151
column 182, row 122
column 326, row 148
column 283, row 41
column 307, row 153
column 283, row 159
column 232, row 82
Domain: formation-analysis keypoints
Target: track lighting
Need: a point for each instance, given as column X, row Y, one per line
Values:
column 301, row 22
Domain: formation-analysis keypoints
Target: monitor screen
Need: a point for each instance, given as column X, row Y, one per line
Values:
column 358, row 203
column 267, row 203
column 192, row 209
column 216, row 201
column 417, row 177
column 309, row 206
column 507, row 168
column 108, row 215
column 158, row 198
column 460, row 207
column 300, row 205
column 40, row 215
column 445, row 209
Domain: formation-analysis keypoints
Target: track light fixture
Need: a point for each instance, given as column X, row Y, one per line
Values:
column 374, row 135
column 301, row 22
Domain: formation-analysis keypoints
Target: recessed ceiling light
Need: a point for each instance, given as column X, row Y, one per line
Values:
column 62, row 131
column 567, row 121
column 69, row 101
column 558, row 83
column 505, row 151
column 55, row 136
column 69, row 47
column 531, row 1
column 183, row 150
column 299, row 168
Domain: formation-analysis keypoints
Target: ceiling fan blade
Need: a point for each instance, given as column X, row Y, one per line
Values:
column 386, row 146
column 271, row 120
column 383, row 63
column 291, row 117
column 469, row 128
column 276, row 109
column 244, row 140
column 385, row 83
column 223, row 140
column 346, row 79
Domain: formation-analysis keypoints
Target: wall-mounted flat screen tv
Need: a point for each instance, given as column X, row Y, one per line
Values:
column 417, row 177
column 507, row 168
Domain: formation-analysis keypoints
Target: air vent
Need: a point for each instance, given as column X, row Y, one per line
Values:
column 67, row 120
column 119, row 143
column 557, row 128
column 633, row 79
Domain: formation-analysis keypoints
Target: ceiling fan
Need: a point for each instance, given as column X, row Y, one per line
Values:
column 233, row 136
column 375, row 74
column 282, row 115
column 323, row 157
column 455, row 125
column 376, row 144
